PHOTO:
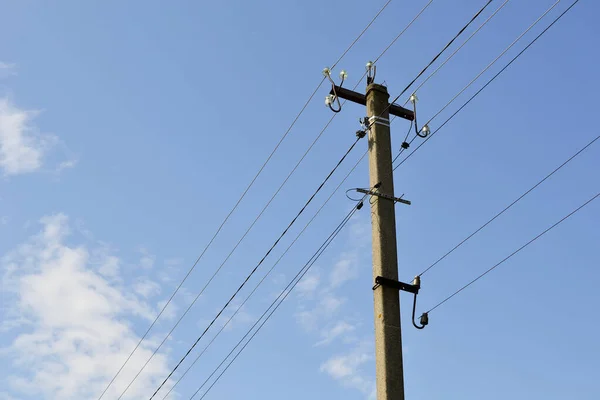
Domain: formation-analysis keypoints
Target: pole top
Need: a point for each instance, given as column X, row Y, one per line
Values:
column 379, row 88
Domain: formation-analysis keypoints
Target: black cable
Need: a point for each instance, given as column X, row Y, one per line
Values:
column 514, row 252
column 267, row 274
column 403, row 30
column 362, row 33
column 277, row 302
column 439, row 54
column 405, row 145
column 459, row 48
column 510, row 205
column 260, row 214
column 487, row 84
column 207, row 247
column 227, row 218
column 258, row 265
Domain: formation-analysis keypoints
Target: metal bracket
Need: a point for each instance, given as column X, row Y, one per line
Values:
column 385, row 196
column 381, row 281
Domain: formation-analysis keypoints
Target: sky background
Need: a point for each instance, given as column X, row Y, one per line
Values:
column 128, row 130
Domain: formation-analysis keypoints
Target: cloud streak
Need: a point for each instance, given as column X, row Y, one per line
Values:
column 21, row 148
column 70, row 328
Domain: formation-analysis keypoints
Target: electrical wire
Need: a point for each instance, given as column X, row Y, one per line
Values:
column 230, row 214
column 514, row 252
column 277, row 302
column 280, row 187
column 232, row 251
column 511, row 204
column 360, row 35
column 405, row 141
column 459, row 48
column 205, row 250
column 433, row 60
column 488, row 83
column 268, row 273
column 257, row 265
column 494, row 61
column 403, row 30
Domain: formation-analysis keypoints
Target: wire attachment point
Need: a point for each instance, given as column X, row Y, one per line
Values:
column 371, row 72
column 424, row 132
column 424, row 320
column 333, row 97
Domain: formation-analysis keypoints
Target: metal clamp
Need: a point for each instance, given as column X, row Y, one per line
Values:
column 381, row 281
column 383, row 195
column 410, row 288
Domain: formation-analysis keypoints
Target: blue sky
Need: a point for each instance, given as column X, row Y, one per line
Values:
column 129, row 129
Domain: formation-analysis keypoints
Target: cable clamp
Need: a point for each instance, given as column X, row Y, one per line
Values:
column 385, row 196
column 379, row 121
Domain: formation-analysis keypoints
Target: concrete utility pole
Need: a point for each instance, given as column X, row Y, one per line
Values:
column 388, row 337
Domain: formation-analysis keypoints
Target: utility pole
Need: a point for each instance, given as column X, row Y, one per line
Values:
column 388, row 337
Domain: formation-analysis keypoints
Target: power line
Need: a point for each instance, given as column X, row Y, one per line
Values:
column 359, row 36
column 511, row 204
column 267, row 274
column 487, row 84
column 281, row 297
column 495, row 60
column 403, row 30
column 433, row 60
column 230, row 214
column 460, row 47
column 515, row 252
column 258, row 265
column 327, row 125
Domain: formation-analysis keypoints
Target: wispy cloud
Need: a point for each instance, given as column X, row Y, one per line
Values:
column 309, row 284
column 74, row 332
column 66, row 165
column 322, row 311
column 312, row 318
column 345, row 269
column 348, row 368
column 336, row 331
column 22, row 148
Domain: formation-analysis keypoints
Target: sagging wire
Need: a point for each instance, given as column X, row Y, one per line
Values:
column 273, row 307
column 493, row 78
column 334, row 98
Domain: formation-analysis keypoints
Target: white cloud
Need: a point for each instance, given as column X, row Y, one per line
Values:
column 336, row 331
column 308, row 284
column 66, row 165
column 146, row 287
column 75, row 332
column 349, row 369
column 21, row 147
column 310, row 319
column 147, row 259
column 345, row 269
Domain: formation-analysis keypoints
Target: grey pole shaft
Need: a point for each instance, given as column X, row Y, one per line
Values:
column 388, row 338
